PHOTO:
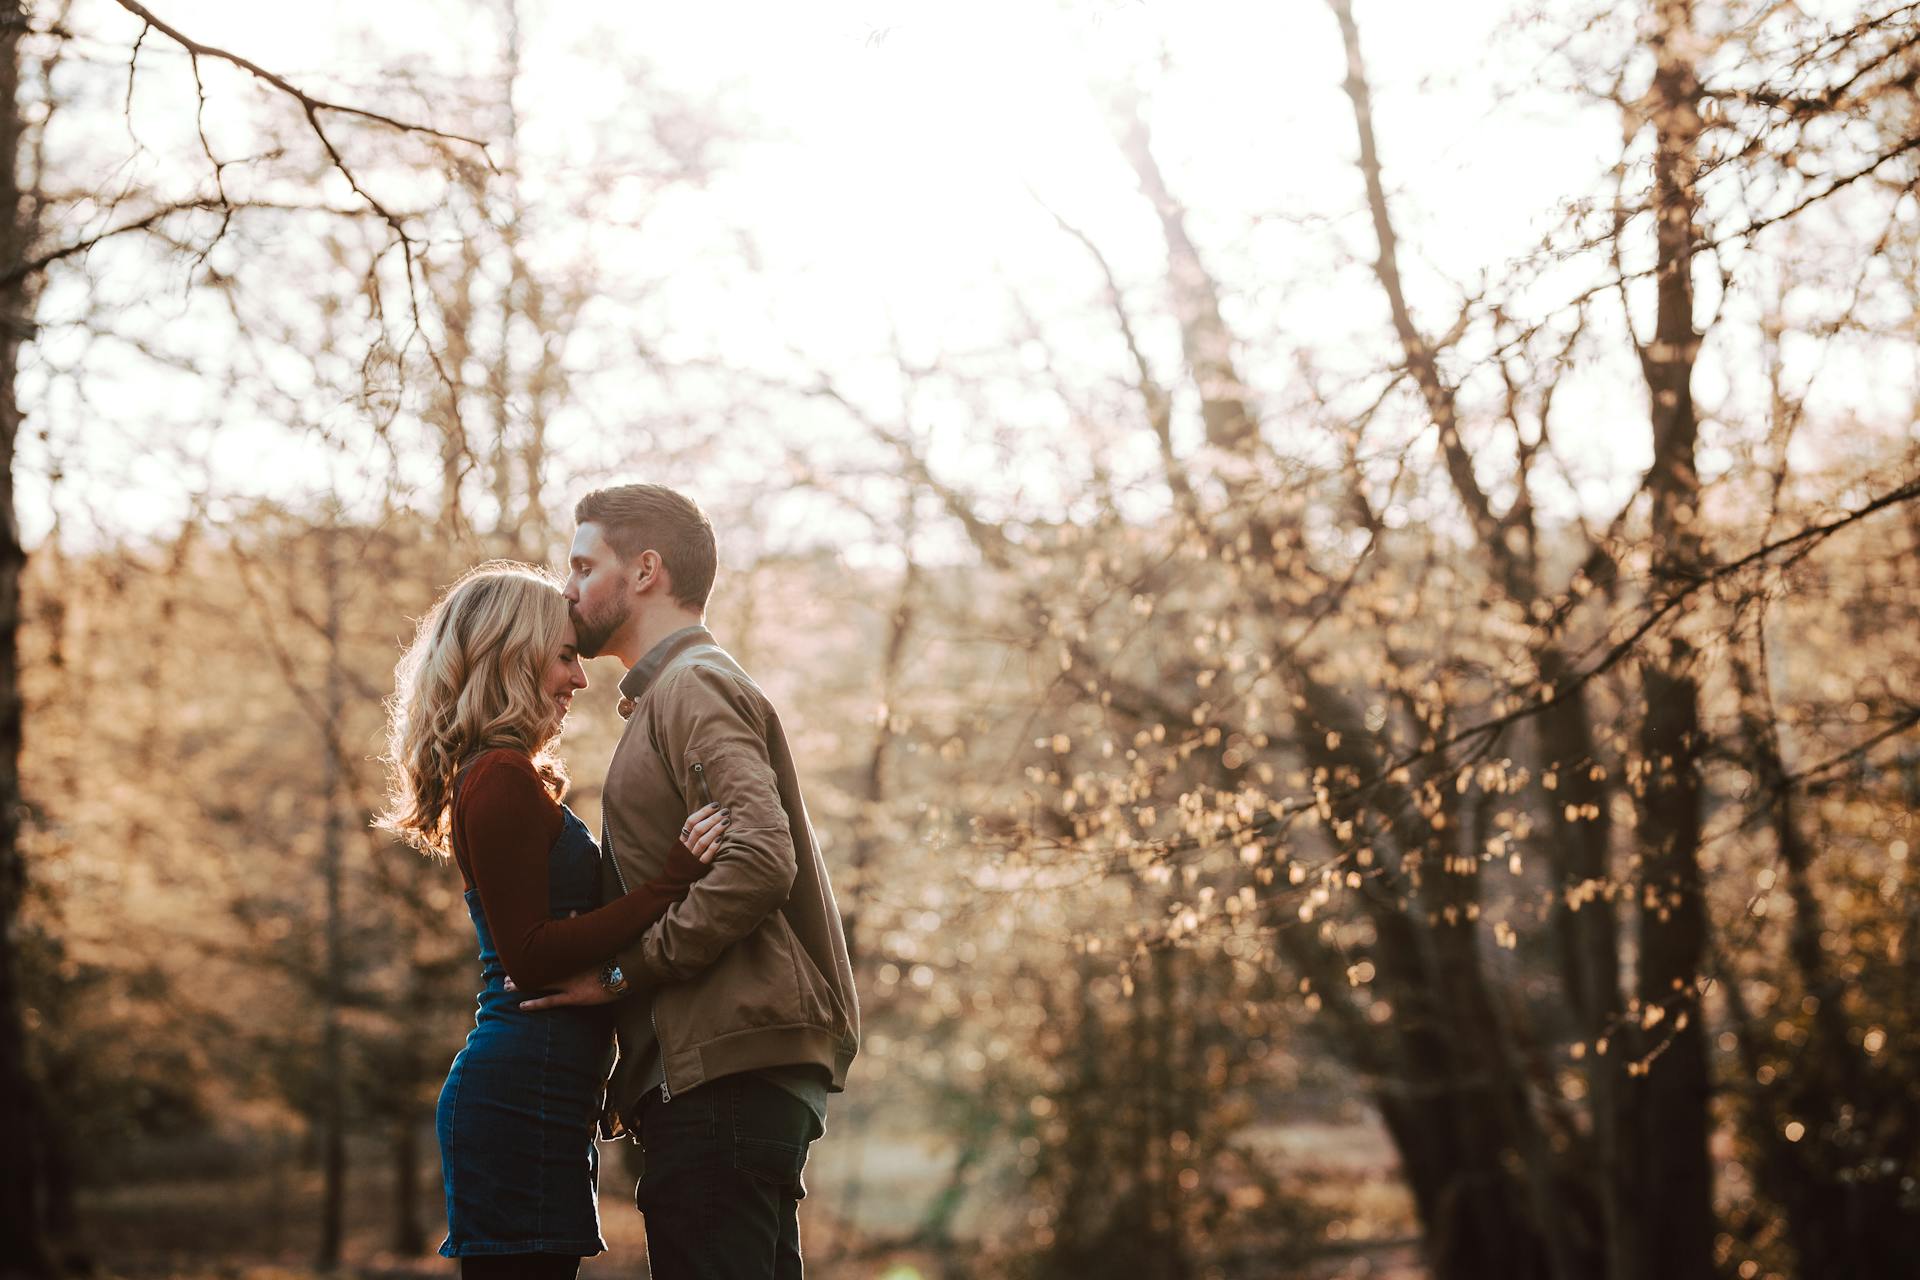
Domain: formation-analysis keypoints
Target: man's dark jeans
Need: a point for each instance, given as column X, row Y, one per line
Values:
column 721, row 1182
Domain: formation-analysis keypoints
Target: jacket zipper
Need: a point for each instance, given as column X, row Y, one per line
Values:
column 660, row 1046
column 606, row 843
column 666, row 1094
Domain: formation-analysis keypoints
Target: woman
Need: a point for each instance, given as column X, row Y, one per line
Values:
column 479, row 701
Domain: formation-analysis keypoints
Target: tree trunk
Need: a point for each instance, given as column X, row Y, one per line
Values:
column 1514, row 1168
column 1842, row 1205
column 1672, row 1232
column 1087, row 1201
column 409, row 1232
column 456, row 449
column 409, row 1235
column 332, row 1060
column 1586, row 937
column 866, row 841
column 1168, row 1239
column 25, row 1182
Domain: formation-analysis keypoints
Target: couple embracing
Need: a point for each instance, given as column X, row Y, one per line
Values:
column 699, row 935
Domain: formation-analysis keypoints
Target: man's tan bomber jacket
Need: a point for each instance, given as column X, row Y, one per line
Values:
column 751, row 969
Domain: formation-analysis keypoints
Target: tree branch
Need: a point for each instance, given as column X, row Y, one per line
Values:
column 307, row 101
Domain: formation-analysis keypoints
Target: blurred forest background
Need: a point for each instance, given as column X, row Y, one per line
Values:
column 1345, row 573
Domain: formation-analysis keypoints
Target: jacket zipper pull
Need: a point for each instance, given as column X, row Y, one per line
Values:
column 661, row 1049
column 700, row 776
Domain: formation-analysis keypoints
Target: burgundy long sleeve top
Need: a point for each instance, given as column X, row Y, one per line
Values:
column 504, row 825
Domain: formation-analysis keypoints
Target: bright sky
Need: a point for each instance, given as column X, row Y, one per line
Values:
column 889, row 190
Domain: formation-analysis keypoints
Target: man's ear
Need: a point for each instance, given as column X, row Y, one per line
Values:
column 648, row 571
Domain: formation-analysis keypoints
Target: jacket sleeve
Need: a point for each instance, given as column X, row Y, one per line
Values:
column 713, row 719
column 507, row 818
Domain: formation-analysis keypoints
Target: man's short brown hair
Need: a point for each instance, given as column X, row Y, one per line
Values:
column 652, row 517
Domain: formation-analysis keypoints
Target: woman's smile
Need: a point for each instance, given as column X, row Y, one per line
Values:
column 564, row 676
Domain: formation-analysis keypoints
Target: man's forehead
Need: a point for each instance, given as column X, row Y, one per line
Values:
column 587, row 540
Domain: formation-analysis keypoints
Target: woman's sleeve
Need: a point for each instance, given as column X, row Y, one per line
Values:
column 507, row 820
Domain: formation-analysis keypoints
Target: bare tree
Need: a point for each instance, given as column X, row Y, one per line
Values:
column 24, row 1173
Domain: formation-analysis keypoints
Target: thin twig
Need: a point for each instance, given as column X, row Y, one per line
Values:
column 305, row 99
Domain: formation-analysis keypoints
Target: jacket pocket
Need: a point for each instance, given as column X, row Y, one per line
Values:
column 817, row 1001
column 756, row 982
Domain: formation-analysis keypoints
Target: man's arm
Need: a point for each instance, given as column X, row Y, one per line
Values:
column 507, row 818
column 714, row 724
column 699, row 839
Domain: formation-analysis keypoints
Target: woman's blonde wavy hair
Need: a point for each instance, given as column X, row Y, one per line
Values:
column 469, row 682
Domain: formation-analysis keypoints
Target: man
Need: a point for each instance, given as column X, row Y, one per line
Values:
column 736, row 1012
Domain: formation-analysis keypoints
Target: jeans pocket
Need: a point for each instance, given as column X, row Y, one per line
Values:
column 680, row 1141
column 779, row 1163
column 772, row 1130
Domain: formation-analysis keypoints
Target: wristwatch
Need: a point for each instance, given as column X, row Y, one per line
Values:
column 613, row 980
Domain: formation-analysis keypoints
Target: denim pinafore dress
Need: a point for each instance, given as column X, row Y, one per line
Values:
column 518, row 1112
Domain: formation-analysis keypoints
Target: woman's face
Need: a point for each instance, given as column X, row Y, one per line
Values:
column 563, row 675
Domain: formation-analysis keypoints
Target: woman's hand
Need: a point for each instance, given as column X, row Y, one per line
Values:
column 703, row 830
column 581, row 989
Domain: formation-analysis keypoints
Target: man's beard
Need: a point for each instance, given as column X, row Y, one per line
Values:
column 590, row 634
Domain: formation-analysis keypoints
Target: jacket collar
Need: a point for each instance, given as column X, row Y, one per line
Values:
column 636, row 681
